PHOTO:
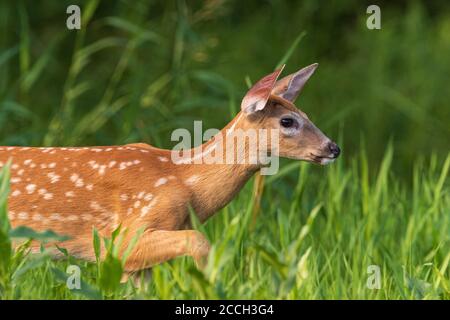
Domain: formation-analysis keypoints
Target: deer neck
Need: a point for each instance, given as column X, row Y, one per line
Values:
column 214, row 184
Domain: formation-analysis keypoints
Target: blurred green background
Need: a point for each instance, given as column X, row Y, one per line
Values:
column 139, row 69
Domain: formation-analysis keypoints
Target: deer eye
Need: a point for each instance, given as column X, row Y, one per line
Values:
column 287, row 122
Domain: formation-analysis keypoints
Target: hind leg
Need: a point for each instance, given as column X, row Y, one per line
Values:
column 157, row 246
column 139, row 278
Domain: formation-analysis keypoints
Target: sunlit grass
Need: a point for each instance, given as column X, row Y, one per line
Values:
column 314, row 240
column 135, row 72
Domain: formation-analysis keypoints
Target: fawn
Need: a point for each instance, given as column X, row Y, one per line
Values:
column 71, row 190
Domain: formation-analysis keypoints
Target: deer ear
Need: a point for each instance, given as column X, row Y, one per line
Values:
column 258, row 95
column 290, row 86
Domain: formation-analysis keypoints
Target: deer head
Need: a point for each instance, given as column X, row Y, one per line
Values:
column 269, row 105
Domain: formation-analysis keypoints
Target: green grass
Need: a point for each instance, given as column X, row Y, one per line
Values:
column 138, row 70
column 314, row 240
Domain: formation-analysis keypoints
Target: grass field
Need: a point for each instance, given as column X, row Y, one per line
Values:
column 138, row 70
column 315, row 240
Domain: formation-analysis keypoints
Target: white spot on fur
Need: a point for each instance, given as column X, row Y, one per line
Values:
column 27, row 162
column 148, row 197
column 94, row 205
column 123, row 197
column 30, row 188
column 146, row 209
column 101, row 171
column 53, row 177
column 56, row 216
column 16, row 193
column 86, row 216
column 137, row 204
column 90, row 187
column 70, row 194
column 75, row 178
column 37, row 217
column 48, row 196
column 15, row 180
column 192, row 180
column 163, row 159
column 160, row 182
column 122, row 166
column 23, row 215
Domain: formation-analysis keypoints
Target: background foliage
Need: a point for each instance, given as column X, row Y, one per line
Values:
column 139, row 69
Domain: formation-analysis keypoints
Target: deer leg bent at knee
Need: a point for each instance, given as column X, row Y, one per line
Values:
column 157, row 246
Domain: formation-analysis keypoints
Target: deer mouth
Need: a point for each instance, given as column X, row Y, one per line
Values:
column 323, row 160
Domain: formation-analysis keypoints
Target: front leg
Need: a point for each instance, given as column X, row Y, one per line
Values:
column 157, row 246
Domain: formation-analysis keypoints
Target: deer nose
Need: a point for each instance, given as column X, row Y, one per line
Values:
column 334, row 149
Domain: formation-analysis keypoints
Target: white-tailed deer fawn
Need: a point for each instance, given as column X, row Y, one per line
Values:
column 71, row 190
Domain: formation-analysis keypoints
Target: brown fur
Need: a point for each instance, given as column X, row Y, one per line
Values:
column 73, row 190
